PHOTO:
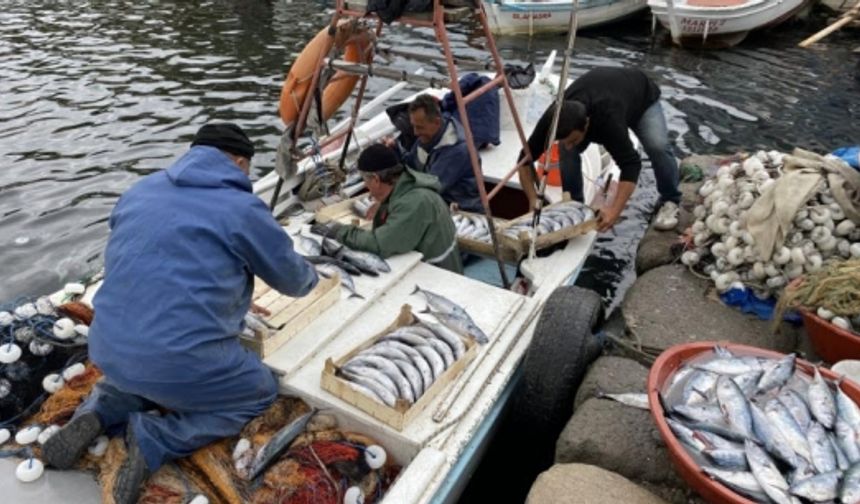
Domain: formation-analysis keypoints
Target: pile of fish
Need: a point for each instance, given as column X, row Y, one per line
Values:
column 765, row 430
column 552, row 218
column 361, row 205
column 472, row 227
column 405, row 362
column 330, row 258
column 723, row 247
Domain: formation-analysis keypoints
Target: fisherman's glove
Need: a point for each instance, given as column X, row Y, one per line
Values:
column 327, row 230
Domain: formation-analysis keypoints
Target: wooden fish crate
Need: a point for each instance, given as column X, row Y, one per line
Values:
column 403, row 413
column 290, row 314
column 486, row 248
column 342, row 213
column 522, row 242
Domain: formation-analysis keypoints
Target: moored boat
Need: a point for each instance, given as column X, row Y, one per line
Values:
column 536, row 17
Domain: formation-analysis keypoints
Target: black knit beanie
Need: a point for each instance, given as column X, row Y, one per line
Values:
column 225, row 136
column 376, row 158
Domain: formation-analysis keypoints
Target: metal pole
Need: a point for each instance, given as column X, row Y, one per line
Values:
column 442, row 36
column 559, row 100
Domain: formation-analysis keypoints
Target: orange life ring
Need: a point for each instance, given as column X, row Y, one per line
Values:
column 353, row 39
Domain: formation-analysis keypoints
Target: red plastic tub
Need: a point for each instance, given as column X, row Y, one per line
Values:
column 832, row 343
column 662, row 371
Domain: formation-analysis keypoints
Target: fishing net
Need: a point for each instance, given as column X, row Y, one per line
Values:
column 835, row 287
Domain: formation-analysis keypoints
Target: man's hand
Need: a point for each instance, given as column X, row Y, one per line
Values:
column 326, row 230
column 259, row 310
column 607, row 218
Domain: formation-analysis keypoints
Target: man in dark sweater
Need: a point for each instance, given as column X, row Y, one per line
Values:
column 599, row 107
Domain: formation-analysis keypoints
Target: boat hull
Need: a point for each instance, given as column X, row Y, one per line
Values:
column 530, row 18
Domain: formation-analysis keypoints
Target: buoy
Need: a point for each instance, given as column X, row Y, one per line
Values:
column 28, row 434
column 199, row 499
column 375, row 456
column 241, row 447
column 40, row 349
column 4, row 435
column 26, row 311
column 64, row 329
column 6, row 319
column 75, row 288
column 24, row 334
column 82, row 330
column 99, row 446
column 73, row 371
column 353, row 495
column 44, row 306
column 9, row 353
column 52, row 383
column 47, row 433
column 29, row 470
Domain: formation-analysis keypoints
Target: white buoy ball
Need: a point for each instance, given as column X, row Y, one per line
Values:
column 82, row 330
column 73, row 371
column 75, row 288
column 26, row 311
column 40, row 349
column 64, row 329
column 242, row 446
column 6, row 319
column 44, row 305
column 353, row 495
column 24, row 334
column 199, row 499
column 841, row 322
column 99, row 446
column 52, row 383
column 825, row 313
column 29, row 470
column 690, row 258
column 375, row 456
column 9, row 353
column 5, row 388
column 46, row 434
column 28, row 434
column 4, row 436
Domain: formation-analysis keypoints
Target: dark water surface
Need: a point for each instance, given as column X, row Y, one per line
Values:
column 96, row 94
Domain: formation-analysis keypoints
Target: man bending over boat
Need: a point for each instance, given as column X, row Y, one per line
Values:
column 440, row 149
column 411, row 214
column 599, row 107
column 185, row 246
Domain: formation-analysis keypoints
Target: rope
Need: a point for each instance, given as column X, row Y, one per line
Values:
column 835, row 287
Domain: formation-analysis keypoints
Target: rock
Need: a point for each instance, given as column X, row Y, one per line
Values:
column 617, row 438
column 611, row 375
column 668, row 306
column 574, row 483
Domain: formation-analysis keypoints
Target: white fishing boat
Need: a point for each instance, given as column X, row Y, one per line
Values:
column 441, row 446
column 517, row 17
column 720, row 23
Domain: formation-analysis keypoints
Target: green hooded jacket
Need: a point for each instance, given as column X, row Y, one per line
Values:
column 413, row 217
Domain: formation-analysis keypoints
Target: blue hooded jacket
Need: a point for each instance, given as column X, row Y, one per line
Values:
column 185, row 246
column 447, row 157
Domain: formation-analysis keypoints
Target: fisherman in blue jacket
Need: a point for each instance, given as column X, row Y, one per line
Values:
column 440, row 149
column 185, row 246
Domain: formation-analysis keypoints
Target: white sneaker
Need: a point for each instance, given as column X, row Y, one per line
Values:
column 667, row 217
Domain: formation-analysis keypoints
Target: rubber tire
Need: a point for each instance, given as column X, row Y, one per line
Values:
column 554, row 365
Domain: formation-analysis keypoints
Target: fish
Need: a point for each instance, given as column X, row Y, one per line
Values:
column 712, row 440
column 776, row 373
column 374, row 374
column 846, row 438
column 408, row 368
column 706, row 413
column 318, row 260
column 821, row 401
column 434, row 359
column 404, row 388
column 773, row 439
column 378, row 390
column 847, row 409
column 849, row 491
column 734, row 459
column 629, row 399
column 730, row 366
column 387, row 351
column 768, row 476
column 819, row 488
column 686, row 435
column 465, row 326
column 346, row 280
column 781, row 419
column 278, row 443
column 417, row 359
column 734, row 405
column 797, row 406
column 440, row 303
column 820, row 449
column 365, row 261
column 742, row 482
column 406, row 336
column 699, row 388
column 331, row 247
column 309, row 245
column 841, row 459
column 748, row 382
column 452, row 339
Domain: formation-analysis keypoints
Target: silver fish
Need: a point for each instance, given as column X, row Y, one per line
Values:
column 841, row 459
column 685, row 434
column 375, row 375
column 781, row 419
column 821, row 401
column 412, row 374
column 346, row 280
column 406, row 336
column 846, row 438
column 404, row 388
column 681, row 375
column 712, row 440
column 823, row 458
column 776, row 373
column 417, row 359
column 451, row 338
column 442, row 349
column 278, row 443
column 730, row 366
column 365, row 261
column 699, row 388
column 379, row 391
column 309, row 245
column 773, row 439
column 797, row 406
column 748, row 382
column 461, row 325
column 741, row 482
column 734, row 405
column 766, row 473
column 847, row 409
column 849, row 492
column 819, row 488
column 440, row 303
column 387, row 351
column 434, row 359
column 734, row 459
column 706, row 413
column 630, row 399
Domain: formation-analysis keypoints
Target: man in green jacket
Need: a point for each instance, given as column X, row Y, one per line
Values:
column 410, row 216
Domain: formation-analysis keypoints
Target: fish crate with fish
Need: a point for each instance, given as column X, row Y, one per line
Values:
column 559, row 222
column 396, row 374
column 743, row 424
column 473, row 235
column 287, row 315
column 348, row 211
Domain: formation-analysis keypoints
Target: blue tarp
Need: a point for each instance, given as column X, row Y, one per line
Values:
column 850, row 155
column 483, row 112
column 747, row 302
